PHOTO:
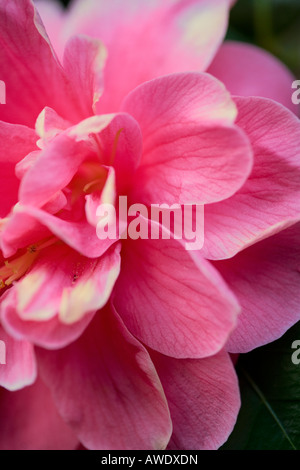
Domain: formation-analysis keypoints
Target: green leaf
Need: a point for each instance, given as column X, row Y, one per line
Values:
column 269, row 418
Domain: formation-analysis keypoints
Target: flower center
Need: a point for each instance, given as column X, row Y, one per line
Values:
column 90, row 177
column 14, row 269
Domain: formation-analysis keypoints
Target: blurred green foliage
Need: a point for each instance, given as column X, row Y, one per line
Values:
column 273, row 25
column 269, row 418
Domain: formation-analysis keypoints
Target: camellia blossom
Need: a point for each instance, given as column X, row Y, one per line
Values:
column 124, row 344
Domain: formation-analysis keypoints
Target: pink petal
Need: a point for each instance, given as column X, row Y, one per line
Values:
column 29, row 421
column 106, row 196
column 107, row 139
column 51, row 334
column 57, row 203
column 32, row 74
column 83, row 61
column 16, row 142
column 122, row 145
column 247, row 70
column 20, row 231
column 79, row 235
column 269, row 200
column 111, row 139
column 121, row 405
column 265, row 278
column 53, row 303
column 20, row 368
column 192, row 152
column 173, row 300
column 26, row 163
column 203, row 396
column 48, row 125
column 57, row 163
column 53, row 17
column 149, row 39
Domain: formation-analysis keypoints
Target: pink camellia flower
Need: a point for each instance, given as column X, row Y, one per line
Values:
column 124, row 344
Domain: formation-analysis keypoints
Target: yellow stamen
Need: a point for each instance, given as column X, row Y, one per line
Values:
column 13, row 270
column 90, row 173
column 16, row 268
column 96, row 185
column 44, row 244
